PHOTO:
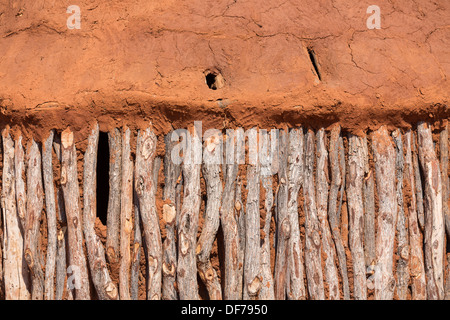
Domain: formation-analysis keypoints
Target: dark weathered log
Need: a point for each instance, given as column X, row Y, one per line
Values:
column 16, row 274
column 106, row 289
column 343, row 219
column 240, row 217
column 188, row 223
column 50, row 209
column 137, row 248
column 283, row 224
column 417, row 268
column 211, row 173
column 146, row 189
column 331, row 274
column 267, row 287
column 33, row 216
column 78, row 280
column 126, row 210
column 384, row 156
column 313, row 245
column 402, row 231
column 21, row 194
column 369, row 215
column 356, row 214
column 296, row 162
column 229, row 223
column 332, row 209
column 443, row 143
column 115, row 189
column 434, row 236
column 419, row 189
column 172, row 173
column 252, row 265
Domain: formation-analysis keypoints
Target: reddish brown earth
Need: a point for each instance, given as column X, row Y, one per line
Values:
column 134, row 62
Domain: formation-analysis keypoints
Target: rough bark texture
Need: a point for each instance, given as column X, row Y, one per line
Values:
column 296, row 163
column 416, row 263
column 50, row 209
column 106, row 289
column 434, row 218
column 145, row 189
column 312, row 228
column 78, row 280
column 172, row 172
column 330, row 271
column 333, row 215
column 211, row 172
column 35, row 205
column 402, row 231
column 282, row 218
column 419, row 184
column 384, row 156
column 21, row 194
column 443, row 143
column 16, row 281
column 137, row 248
column 115, row 189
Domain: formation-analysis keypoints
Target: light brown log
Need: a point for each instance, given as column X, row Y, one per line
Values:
column 188, row 223
column 434, row 236
column 417, row 268
column 231, row 290
column 115, row 189
column 21, row 195
column 240, row 218
column 16, row 281
column 283, row 226
column 418, row 179
column 106, row 289
column 342, row 217
column 252, row 265
column 313, row 245
column 330, row 271
column 384, row 156
column 211, row 174
column 172, row 172
column 369, row 214
column 443, row 143
column 296, row 162
column 402, row 231
column 50, row 209
column 146, row 189
column 356, row 214
column 136, row 253
column 333, row 216
column 267, row 285
column 78, row 279
column 33, row 216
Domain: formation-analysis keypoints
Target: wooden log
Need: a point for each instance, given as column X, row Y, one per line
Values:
column 331, row 274
column 384, row 156
column 16, row 277
column 417, row 268
column 78, row 281
column 106, row 289
column 296, row 162
column 369, row 214
column 115, row 190
column 402, row 231
column 333, row 216
column 434, row 236
column 267, row 286
column 137, row 248
column 252, row 265
column 240, row 218
column 231, row 290
column 172, row 172
column 126, row 211
column 342, row 218
column 283, row 226
column 50, row 209
column 313, row 245
column 356, row 214
column 211, row 174
column 419, row 189
column 21, row 195
column 443, row 143
column 33, row 216
column 146, row 189
column 188, row 223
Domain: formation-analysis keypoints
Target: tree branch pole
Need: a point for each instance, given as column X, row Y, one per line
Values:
column 21, row 194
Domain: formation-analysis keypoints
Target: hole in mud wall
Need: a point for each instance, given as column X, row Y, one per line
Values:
column 313, row 58
column 214, row 80
column 102, row 177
